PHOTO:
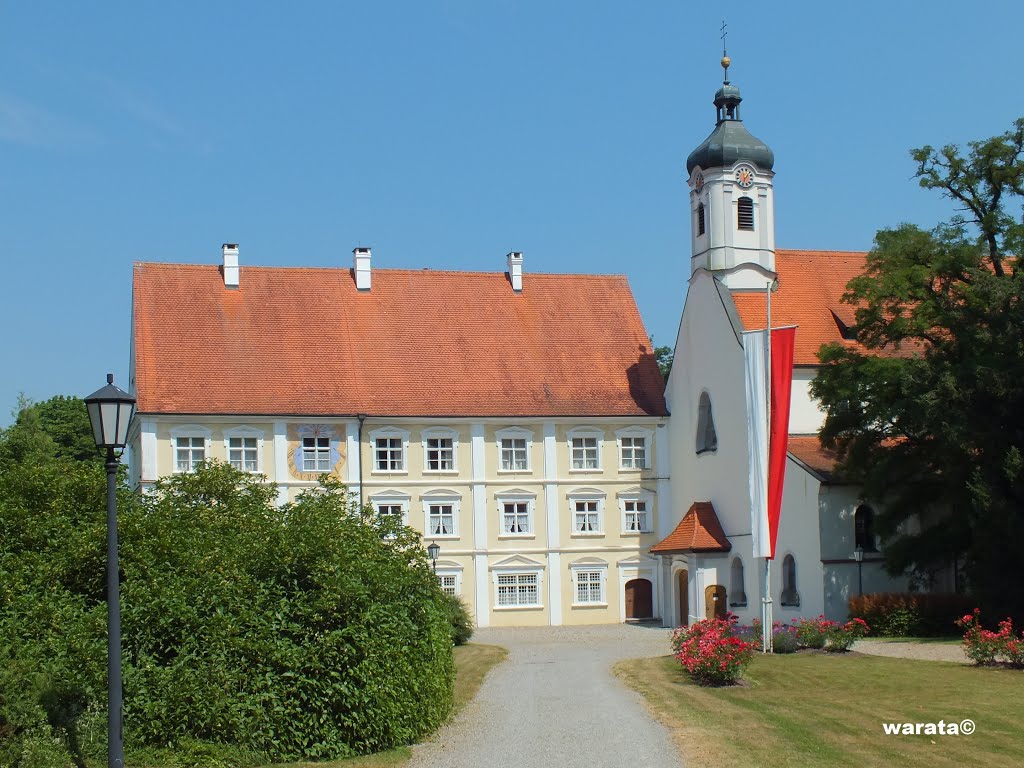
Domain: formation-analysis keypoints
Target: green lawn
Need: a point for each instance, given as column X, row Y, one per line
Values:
column 805, row 710
column 473, row 661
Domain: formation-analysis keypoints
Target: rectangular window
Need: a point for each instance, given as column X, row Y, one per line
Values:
column 189, row 452
column 243, row 454
column 518, row 589
column 636, row 516
column 442, row 520
column 588, row 587
column 515, row 517
column 440, row 454
column 391, row 510
column 634, row 453
column 586, row 520
column 513, row 454
column 389, row 454
column 584, row 453
column 447, row 583
column 316, row 454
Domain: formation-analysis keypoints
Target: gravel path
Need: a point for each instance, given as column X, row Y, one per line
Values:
column 925, row 651
column 555, row 702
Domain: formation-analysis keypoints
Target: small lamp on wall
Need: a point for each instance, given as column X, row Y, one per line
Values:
column 858, row 555
column 433, row 551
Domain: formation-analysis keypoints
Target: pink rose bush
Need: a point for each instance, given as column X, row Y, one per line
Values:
column 712, row 652
column 983, row 646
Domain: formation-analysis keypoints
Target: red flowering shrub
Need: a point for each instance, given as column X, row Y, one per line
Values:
column 711, row 651
column 813, row 633
column 841, row 636
column 983, row 646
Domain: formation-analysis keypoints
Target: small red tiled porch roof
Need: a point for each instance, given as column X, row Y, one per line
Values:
column 698, row 531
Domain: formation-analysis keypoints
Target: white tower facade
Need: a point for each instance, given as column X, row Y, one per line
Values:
column 732, row 210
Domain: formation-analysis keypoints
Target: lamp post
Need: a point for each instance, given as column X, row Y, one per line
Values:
column 433, row 551
column 858, row 555
column 110, row 413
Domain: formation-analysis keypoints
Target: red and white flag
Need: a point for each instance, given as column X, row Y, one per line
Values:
column 767, row 467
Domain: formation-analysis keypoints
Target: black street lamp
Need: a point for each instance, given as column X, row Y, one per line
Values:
column 858, row 555
column 110, row 413
column 433, row 551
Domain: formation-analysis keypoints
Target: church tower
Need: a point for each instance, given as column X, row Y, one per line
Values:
column 732, row 212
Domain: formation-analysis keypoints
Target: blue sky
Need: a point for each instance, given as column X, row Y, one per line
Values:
column 445, row 134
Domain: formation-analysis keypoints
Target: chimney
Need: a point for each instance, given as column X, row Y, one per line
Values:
column 515, row 271
column 230, row 251
column 361, row 268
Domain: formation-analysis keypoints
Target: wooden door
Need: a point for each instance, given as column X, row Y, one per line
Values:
column 639, row 602
column 714, row 602
column 683, row 578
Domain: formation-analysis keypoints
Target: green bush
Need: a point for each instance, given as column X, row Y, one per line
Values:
column 910, row 614
column 311, row 631
column 459, row 619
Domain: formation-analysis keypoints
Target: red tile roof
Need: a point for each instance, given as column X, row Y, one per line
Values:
column 808, row 450
column 420, row 343
column 698, row 531
column 810, row 285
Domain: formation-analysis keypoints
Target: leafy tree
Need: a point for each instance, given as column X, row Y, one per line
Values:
column 929, row 414
column 58, row 427
column 664, row 357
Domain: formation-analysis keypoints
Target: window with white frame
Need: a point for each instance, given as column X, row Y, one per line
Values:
column 515, row 517
column 442, row 513
column 584, row 449
column 389, row 449
column 636, row 516
column 391, row 504
column 243, row 453
column 586, row 508
column 316, row 454
column 191, row 447
column 514, row 450
column 589, row 584
column 449, row 583
column 189, row 452
column 633, row 452
column 518, row 590
column 439, row 450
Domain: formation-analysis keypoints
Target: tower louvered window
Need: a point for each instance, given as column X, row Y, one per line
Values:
column 700, row 219
column 745, row 213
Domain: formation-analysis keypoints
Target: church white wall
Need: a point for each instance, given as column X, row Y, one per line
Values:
column 799, row 537
column 805, row 415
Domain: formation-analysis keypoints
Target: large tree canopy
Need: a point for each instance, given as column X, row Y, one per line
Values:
column 929, row 413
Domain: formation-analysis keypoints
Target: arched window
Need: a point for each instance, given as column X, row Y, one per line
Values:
column 707, row 440
column 745, row 213
column 864, row 528
column 700, row 219
column 789, row 595
column 737, row 596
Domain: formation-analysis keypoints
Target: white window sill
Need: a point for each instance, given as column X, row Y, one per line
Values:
column 586, row 534
column 633, row 469
column 386, row 472
column 526, row 471
column 590, row 605
column 440, row 471
column 636, row 533
column 588, row 471
column 441, row 536
column 518, row 607
column 517, row 536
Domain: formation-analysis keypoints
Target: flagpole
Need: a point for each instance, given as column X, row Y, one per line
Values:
column 767, row 617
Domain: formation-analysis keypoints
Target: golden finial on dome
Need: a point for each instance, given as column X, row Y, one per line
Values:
column 726, row 61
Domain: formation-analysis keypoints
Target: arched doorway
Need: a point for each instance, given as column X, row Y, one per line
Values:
column 639, row 602
column 683, row 585
column 714, row 602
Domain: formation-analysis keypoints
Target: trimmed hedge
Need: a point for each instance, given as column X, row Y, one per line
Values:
column 911, row 614
column 312, row 631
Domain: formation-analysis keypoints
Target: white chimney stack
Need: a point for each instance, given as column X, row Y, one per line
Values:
column 361, row 268
column 230, row 251
column 515, row 271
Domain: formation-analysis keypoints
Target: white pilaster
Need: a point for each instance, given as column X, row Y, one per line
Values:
column 281, row 460
column 483, row 583
column 555, row 577
column 147, row 446
column 551, row 487
column 353, row 459
column 663, row 471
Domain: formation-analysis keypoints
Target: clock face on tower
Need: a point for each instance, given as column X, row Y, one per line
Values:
column 744, row 176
